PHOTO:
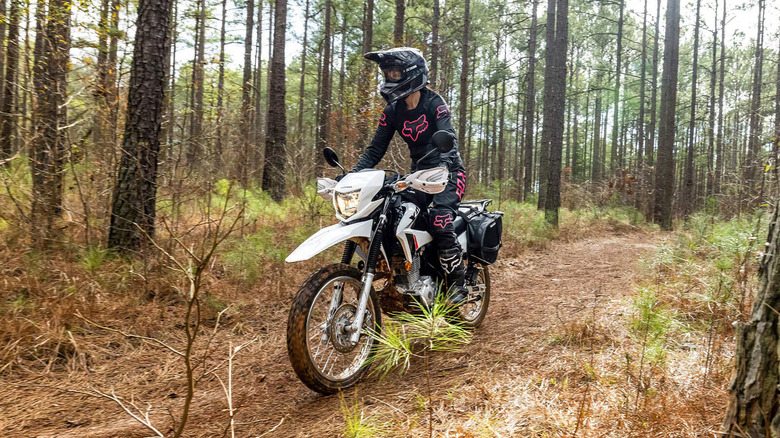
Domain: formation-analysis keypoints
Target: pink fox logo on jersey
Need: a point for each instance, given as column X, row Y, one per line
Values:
column 383, row 120
column 442, row 220
column 442, row 111
column 415, row 128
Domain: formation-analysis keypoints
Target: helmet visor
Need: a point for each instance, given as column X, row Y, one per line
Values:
column 392, row 74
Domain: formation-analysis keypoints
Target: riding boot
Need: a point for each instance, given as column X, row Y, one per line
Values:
column 451, row 260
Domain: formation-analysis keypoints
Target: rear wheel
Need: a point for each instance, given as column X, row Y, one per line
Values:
column 318, row 344
column 473, row 311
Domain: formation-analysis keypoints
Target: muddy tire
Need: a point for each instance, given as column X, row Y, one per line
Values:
column 473, row 313
column 312, row 344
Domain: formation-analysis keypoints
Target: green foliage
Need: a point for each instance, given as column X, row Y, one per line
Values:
column 246, row 258
column 93, row 257
column 650, row 324
column 358, row 425
column 415, row 334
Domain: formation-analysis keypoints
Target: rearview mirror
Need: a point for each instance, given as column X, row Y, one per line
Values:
column 331, row 157
column 444, row 141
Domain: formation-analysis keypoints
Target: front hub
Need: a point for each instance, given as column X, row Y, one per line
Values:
column 339, row 336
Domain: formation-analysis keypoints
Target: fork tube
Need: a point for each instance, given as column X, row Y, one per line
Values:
column 368, row 277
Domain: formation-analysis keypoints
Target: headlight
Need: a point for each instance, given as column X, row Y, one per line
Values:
column 347, row 203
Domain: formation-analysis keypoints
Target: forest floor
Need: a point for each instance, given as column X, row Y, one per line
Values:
column 546, row 362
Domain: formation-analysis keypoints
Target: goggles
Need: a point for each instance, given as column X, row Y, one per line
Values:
column 392, row 74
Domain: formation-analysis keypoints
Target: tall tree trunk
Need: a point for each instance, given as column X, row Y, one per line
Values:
column 754, row 409
column 366, row 75
column 52, row 44
column 711, row 112
column 776, row 143
column 530, row 105
column 640, row 128
column 597, row 172
column 195, row 151
column 8, row 113
column 613, row 156
column 220, row 89
column 256, row 154
column 555, row 73
column 501, row 150
column 398, row 30
column 651, row 129
column 246, row 96
column 301, row 90
column 664, row 182
column 464, row 77
column 136, row 187
column 721, row 89
column 435, row 43
column 687, row 194
column 754, row 142
column 342, row 74
column 547, row 103
column 100, row 126
column 325, row 92
column 276, row 139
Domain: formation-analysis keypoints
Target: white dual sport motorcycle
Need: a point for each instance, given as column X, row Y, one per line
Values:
column 327, row 339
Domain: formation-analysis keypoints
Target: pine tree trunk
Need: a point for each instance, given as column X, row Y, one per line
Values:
column 276, row 138
column 435, row 43
column 530, row 105
column 8, row 113
column 501, row 146
column 301, row 90
column 398, row 29
column 776, row 142
column 754, row 408
column 342, row 75
column 221, row 89
column 598, row 161
column 464, row 77
column 754, row 142
column 711, row 112
column 616, row 94
column 52, row 44
column 246, row 96
column 687, row 193
column 664, row 182
column 366, row 76
column 555, row 72
column 195, row 151
column 135, row 191
column 721, row 89
column 325, row 92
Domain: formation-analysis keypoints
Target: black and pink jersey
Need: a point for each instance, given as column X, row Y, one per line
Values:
column 416, row 127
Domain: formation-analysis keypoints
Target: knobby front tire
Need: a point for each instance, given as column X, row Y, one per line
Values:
column 318, row 364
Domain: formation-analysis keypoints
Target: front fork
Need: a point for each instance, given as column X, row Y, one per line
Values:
column 354, row 329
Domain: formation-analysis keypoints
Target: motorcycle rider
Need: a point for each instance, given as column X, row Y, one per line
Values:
column 416, row 112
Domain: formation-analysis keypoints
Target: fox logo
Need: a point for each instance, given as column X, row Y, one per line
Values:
column 442, row 111
column 442, row 220
column 415, row 128
column 383, row 120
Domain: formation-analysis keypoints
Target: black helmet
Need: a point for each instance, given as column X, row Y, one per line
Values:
column 404, row 71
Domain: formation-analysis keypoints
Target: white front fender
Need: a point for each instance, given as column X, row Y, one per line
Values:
column 327, row 237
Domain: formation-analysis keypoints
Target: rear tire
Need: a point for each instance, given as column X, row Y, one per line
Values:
column 472, row 313
column 306, row 327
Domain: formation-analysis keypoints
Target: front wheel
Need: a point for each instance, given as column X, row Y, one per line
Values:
column 317, row 342
column 473, row 311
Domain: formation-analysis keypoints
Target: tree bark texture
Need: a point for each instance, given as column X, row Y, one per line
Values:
column 664, row 181
column 754, row 407
column 325, row 92
column 8, row 113
column 530, row 105
column 556, row 74
column 276, row 138
column 398, row 29
column 687, row 194
column 464, row 77
column 246, row 96
column 50, row 118
column 136, row 186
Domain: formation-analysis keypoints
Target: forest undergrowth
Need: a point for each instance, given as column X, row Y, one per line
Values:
column 79, row 318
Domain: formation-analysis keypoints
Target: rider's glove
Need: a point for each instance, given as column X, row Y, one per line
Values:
column 445, row 164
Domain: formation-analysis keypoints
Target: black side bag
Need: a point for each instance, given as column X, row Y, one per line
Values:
column 485, row 236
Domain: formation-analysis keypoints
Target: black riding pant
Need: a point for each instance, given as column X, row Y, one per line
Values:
column 445, row 207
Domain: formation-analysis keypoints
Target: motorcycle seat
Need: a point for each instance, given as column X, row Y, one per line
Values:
column 460, row 224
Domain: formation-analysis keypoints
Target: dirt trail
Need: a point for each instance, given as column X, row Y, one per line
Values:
column 531, row 295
